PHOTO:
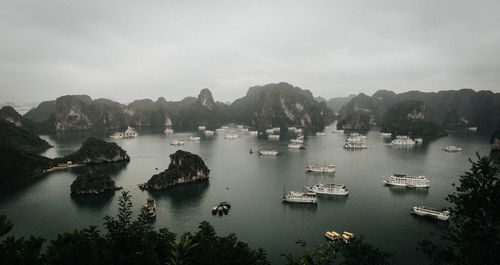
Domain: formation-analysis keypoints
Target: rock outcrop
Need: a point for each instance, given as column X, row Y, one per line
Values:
column 17, row 165
column 410, row 118
column 19, row 138
column 93, row 183
column 95, row 150
column 280, row 105
column 184, row 167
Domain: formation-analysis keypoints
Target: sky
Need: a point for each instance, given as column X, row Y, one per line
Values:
column 126, row 50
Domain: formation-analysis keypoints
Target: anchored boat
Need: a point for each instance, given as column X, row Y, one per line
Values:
column 265, row 152
column 300, row 197
column 402, row 140
column 296, row 146
column 151, row 207
column 407, row 181
column 431, row 212
column 119, row 135
column 320, row 168
column 177, row 142
column 332, row 235
column 452, row 148
column 329, row 189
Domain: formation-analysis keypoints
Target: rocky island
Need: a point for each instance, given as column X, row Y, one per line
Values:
column 95, row 182
column 95, row 150
column 495, row 146
column 184, row 167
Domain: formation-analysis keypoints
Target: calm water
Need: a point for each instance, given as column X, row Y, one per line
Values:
column 254, row 186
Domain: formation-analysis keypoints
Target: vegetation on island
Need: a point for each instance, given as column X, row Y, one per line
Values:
column 18, row 166
column 95, row 182
column 410, row 118
column 184, row 167
column 473, row 236
column 20, row 138
column 95, row 150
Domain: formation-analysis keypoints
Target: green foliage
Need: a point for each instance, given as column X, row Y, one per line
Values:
column 5, row 225
column 183, row 165
column 358, row 120
column 20, row 138
column 398, row 120
column 96, row 150
column 93, row 180
column 18, row 165
column 357, row 252
column 474, row 236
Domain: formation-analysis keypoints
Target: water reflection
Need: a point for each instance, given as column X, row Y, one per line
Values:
column 403, row 191
column 302, row 207
column 180, row 196
column 330, row 198
column 97, row 203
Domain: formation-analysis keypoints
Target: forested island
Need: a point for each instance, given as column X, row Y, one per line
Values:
column 184, row 167
column 95, row 182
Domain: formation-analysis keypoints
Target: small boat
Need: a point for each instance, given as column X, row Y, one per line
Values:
column 194, row 138
column 402, row 140
column 119, row 135
column 347, row 237
column 225, row 203
column 214, row 210
column 385, row 134
column 220, row 210
column 253, row 133
column 273, row 137
column 239, row 126
column 441, row 215
column 251, row 150
column 329, row 189
column 320, row 168
column 291, row 129
column 265, row 152
column 452, row 148
column 269, row 131
column 296, row 146
column 177, row 142
column 244, row 129
column 418, row 140
column 297, row 141
column 472, row 129
column 300, row 136
column 219, row 130
column 353, row 144
column 201, row 128
column 168, row 131
column 320, row 134
column 407, row 181
column 208, row 132
column 151, row 207
column 298, row 130
column 276, row 129
column 231, row 136
column 332, row 235
column 300, row 197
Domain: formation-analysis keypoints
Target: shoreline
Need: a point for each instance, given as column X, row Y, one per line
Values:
column 61, row 166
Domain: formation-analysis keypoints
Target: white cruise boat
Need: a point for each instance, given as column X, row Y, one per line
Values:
column 231, row 136
column 177, row 142
column 243, row 130
column 355, row 145
column 253, row 133
column 320, row 133
column 300, row 197
column 407, row 181
column 472, row 129
column 291, row 129
column 269, row 131
column 276, row 129
column 418, row 140
column 329, row 189
column 320, row 168
column 431, row 212
column 224, row 127
column 219, row 130
column 201, row 128
column 194, row 138
column 168, row 131
column 297, row 141
column 119, row 135
column 385, row 134
column 239, row 126
column 296, row 146
column 402, row 140
column 273, row 136
column 266, row 152
column 298, row 130
column 208, row 132
column 452, row 148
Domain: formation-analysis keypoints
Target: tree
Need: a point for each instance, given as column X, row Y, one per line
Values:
column 473, row 237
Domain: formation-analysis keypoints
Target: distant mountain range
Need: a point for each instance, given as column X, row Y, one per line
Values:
column 272, row 105
column 448, row 110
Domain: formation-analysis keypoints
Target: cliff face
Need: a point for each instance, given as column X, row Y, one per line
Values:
column 448, row 109
column 94, row 151
column 93, row 183
column 184, row 167
column 78, row 113
column 337, row 103
column 145, row 113
column 410, row 118
column 280, row 105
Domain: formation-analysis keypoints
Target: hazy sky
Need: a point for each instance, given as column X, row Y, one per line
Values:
column 145, row 49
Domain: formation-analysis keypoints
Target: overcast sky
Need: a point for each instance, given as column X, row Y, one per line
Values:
column 126, row 50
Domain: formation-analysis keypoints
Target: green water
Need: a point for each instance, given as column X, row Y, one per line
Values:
column 254, row 186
